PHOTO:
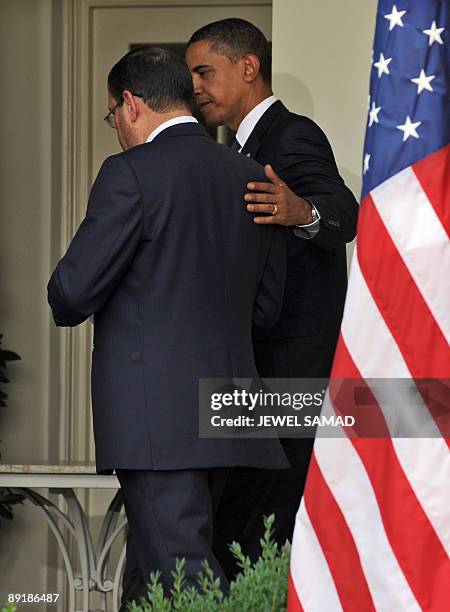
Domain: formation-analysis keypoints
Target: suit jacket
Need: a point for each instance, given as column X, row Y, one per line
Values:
column 175, row 271
column 316, row 279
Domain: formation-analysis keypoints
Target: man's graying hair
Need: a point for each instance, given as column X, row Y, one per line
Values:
column 160, row 77
column 235, row 38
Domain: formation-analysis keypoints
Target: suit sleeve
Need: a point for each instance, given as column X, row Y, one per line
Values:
column 270, row 295
column 102, row 248
column 305, row 161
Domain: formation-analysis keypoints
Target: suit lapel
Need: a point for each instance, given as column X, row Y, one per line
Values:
column 253, row 144
column 251, row 147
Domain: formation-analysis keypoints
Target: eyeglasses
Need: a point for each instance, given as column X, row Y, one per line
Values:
column 110, row 116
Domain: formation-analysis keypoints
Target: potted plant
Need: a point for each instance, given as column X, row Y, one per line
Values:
column 7, row 497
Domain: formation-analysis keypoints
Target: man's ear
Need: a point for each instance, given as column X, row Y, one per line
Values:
column 251, row 67
column 132, row 105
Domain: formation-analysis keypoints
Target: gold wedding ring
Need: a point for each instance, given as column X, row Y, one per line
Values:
column 275, row 210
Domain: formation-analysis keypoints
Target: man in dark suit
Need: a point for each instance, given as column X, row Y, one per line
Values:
column 156, row 260
column 230, row 66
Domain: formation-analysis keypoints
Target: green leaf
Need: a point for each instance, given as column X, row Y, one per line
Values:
column 10, row 356
column 5, row 512
column 258, row 587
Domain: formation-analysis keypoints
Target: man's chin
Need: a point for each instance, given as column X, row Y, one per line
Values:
column 211, row 118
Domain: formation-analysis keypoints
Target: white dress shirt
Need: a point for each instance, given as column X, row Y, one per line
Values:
column 169, row 123
column 245, row 128
column 249, row 122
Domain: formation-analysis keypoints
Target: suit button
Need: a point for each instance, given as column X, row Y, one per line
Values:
column 136, row 356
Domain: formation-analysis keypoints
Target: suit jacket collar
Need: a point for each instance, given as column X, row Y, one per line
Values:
column 251, row 147
column 182, row 129
column 174, row 121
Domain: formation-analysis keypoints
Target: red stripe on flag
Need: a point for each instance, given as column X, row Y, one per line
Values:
column 343, row 365
column 293, row 603
column 337, row 543
column 420, row 554
column 433, row 174
column 435, row 393
column 351, row 396
column 410, row 321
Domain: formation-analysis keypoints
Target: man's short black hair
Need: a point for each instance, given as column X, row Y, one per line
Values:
column 160, row 77
column 235, row 38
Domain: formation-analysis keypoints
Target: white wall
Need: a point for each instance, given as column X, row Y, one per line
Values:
column 26, row 178
column 322, row 54
column 321, row 64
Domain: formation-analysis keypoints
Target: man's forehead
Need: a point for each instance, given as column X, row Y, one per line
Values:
column 201, row 54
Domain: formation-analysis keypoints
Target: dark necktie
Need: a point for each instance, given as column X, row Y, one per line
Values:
column 235, row 144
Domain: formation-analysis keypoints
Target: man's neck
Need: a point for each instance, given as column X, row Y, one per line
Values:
column 157, row 119
column 169, row 123
column 251, row 120
column 255, row 97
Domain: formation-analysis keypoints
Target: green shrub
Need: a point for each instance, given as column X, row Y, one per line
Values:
column 9, row 608
column 258, row 587
column 7, row 497
column 4, row 357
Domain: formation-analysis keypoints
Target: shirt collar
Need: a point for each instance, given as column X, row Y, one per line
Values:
column 248, row 123
column 169, row 123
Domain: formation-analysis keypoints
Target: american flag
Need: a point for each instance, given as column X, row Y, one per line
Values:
column 373, row 528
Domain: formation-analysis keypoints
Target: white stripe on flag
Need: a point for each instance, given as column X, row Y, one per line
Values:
column 426, row 463
column 351, row 488
column 417, row 232
column 309, row 569
column 375, row 334
column 366, row 334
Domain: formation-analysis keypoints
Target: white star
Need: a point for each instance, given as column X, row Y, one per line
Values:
column 382, row 65
column 366, row 162
column 395, row 18
column 435, row 34
column 373, row 114
column 409, row 128
column 423, row 82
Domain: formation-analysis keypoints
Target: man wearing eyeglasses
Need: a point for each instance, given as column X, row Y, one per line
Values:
column 175, row 271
